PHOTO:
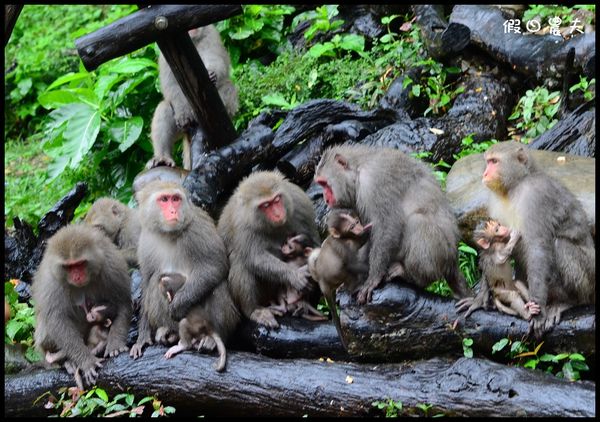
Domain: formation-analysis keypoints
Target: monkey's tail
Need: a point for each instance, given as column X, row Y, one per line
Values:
column 220, row 365
column 330, row 299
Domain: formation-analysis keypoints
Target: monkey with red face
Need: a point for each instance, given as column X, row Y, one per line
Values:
column 556, row 256
column 177, row 238
column 80, row 267
column 262, row 213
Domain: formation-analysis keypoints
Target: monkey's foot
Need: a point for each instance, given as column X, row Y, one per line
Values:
column 307, row 311
column 395, row 270
column 178, row 348
column 278, row 309
column 136, row 351
column 113, row 350
column 544, row 321
column 265, row 317
column 365, row 293
column 160, row 161
column 84, row 376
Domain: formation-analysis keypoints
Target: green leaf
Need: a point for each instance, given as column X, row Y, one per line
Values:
column 546, row 357
column 576, row 356
column 56, row 99
column 353, row 42
column 416, row 90
column 499, row 345
column 145, row 400
column 467, row 341
column 12, row 328
column 561, row 356
column 467, row 249
column 468, row 353
column 126, row 132
column 569, row 373
column 531, row 363
column 102, row 394
column 69, row 77
column 169, row 409
column 325, row 49
column 276, row 99
column 129, row 65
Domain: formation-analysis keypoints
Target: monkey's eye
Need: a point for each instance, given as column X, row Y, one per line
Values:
column 265, row 205
column 493, row 160
column 163, row 198
column 277, row 199
column 176, row 198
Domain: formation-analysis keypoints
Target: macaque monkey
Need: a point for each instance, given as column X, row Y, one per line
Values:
column 295, row 252
column 177, row 237
column 174, row 115
column 510, row 296
column 556, row 256
column 414, row 234
column 119, row 222
column 80, row 267
column 336, row 261
column 100, row 318
column 206, row 325
column 262, row 213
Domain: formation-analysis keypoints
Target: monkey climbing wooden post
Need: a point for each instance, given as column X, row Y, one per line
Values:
column 168, row 25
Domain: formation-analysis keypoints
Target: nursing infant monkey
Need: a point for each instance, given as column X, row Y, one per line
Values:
column 510, row 296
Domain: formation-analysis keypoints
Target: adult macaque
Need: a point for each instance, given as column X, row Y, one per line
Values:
column 174, row 115
column 262, row 213
column 100, row 318
column 510, row 296
column 80, row 267
column 176, row 237
column 119, row 222
column 556, row 255
column 414, row 233
column 295, row 252
column 336, row 261
column 215, row 318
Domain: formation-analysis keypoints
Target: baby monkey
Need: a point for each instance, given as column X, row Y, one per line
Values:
column 336, row 261
column 510, row 296
column 195, row 329
column 100, row 318
column 295, row 252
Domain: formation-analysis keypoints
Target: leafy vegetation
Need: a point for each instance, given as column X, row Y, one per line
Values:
column 563, row 365
column 95, row 402
column 535, row 113
column 392, row 408
column 588, row 88
column 467, row 344
column 19, row 329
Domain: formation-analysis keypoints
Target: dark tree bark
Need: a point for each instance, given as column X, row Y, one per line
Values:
column 260, row 386
column 441, row 39
column 11, row 14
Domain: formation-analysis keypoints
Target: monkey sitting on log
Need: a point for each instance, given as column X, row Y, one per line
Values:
column 176, row 238
column 556, row 256
column 119, row 222
column 336, row 261
column 100, row 318
column 80, row 267
column 510, row 296
column 262, row 213
column 415, row 234
column 210, row 319
column 174, row 115
column 295, row 252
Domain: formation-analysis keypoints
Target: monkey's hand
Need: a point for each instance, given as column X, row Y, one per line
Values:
column 265, row 317
column 533, row 309
column 207, row 343
column 212, row 75
column 137, row 349
column 162, row 160
column 544, row 321
column 470, row 304
column 114, row 347
column 366, row 291
column 299, row 279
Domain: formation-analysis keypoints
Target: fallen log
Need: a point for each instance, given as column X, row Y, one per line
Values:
column 574, row 133
column 538, row 56
column 404, row 323
column 260, row 386
column 441, row 39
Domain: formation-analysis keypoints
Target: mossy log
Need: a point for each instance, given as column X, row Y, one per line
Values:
column 254, row 385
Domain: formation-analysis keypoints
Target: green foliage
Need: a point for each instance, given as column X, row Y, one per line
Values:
column 564, row 365
column 470, row 146
column 104, row 106
column 392, row 408
column 19, row 328
column 257, row 31
column 434, row 84
column 322, row 20
column 535, row 113
column 467, row 349
column 40, row 49
column 339, row 45
column 587, row 87
column 95, row 402
column 543, row 12
column 467, row 263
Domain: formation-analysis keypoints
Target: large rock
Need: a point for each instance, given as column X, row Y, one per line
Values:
column 469, row 197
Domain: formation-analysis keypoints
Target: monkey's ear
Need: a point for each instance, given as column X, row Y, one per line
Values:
column 483, row 243
column 333, row 232
column 307, row 251
column 341, row 160
column 522, row 155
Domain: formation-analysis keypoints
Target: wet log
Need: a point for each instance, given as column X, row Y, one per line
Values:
column 404, row 323
column 481, row 110
column 141, row 28
column 539, row 56
column 23, row 250
column 299, row 164
column 441, row 39
column 574, row 133
column 259, row 386
column 11, row 14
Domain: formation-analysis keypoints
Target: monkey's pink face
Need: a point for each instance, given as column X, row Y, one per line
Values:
column 76, row 272
column 328, row 194
column 169, row 205
column 274, row 210
column 490, row 175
